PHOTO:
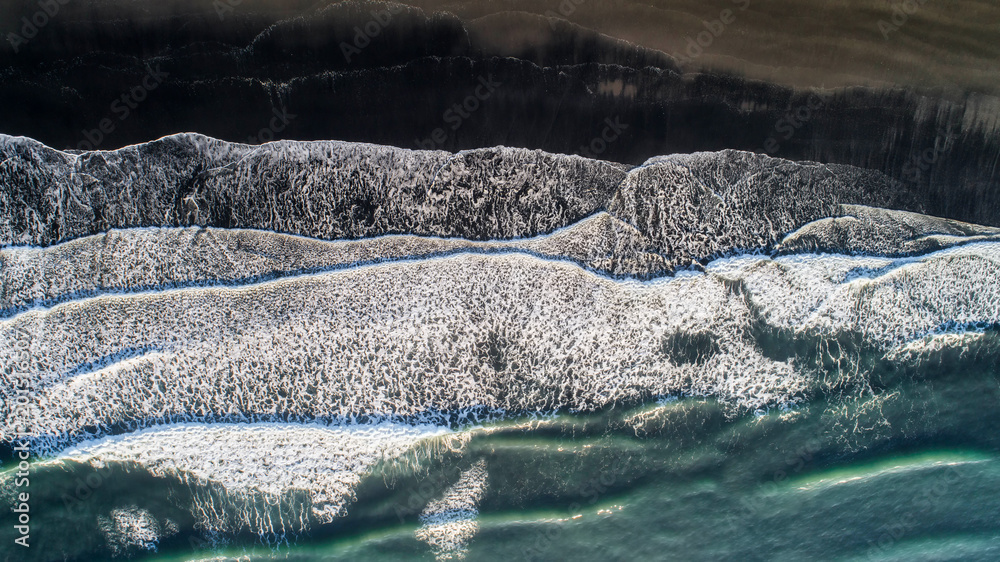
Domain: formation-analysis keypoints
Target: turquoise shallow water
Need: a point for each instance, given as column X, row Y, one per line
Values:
column 907, row 470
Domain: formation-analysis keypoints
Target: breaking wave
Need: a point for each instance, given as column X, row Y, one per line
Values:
column 272, row 371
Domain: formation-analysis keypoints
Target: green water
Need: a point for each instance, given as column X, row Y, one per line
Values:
column 905, row 471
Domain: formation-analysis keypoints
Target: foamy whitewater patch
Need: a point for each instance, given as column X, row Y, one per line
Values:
column 944, row 347
column 507, row 333
column 869, row 230
column 489, row 333
column 129, row 529
column 887, row 301
column 138, row 259
column 253, row 461
column 449, row 523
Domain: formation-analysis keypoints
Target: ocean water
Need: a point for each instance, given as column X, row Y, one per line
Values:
column 904, row 474
column 851, row 451
column 366, row 280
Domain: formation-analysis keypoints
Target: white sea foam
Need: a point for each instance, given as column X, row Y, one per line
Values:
column 266, row 461
column 504, row 333
column 888, row 301
column 137, row 259
column 500, row 333
column 128, row 529
column 449, row 523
